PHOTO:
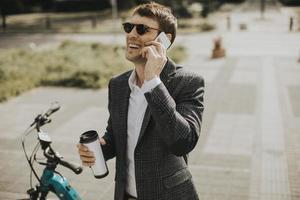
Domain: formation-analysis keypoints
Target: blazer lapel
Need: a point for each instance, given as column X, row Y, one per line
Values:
column 165, row 76
column 123, row 96
column 145, row 123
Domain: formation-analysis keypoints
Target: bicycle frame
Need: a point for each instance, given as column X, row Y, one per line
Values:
column 58, row 184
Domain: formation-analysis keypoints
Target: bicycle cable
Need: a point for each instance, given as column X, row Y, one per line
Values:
column 25, row 134
column 32, row 159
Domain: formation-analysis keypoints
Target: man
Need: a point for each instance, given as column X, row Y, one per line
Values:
column 155, row 115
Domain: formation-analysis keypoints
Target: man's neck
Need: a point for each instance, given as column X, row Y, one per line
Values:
column 140, row 77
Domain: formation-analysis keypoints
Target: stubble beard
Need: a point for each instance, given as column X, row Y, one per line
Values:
column 136, row 59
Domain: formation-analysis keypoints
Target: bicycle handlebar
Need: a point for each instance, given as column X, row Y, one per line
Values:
column 74, row 167
column 54, row 107
column 52, row 155
column 42, row 119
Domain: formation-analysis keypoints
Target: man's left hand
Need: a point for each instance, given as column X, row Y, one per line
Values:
column 155, row 55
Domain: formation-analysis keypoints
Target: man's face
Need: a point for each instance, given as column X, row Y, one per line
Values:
column 135, row 42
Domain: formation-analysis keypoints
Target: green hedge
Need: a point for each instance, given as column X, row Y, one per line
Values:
column 72, row 64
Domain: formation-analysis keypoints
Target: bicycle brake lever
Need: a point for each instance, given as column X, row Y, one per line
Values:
column 51, row 154
column 36, row 119
column 57, row 155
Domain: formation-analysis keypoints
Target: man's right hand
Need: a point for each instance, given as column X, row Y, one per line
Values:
column 86, row 156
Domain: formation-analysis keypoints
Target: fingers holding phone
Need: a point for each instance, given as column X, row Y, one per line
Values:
column 155, row 54
column 156, row 58
column 153, row 49
column 164, row 40
column 161, row 43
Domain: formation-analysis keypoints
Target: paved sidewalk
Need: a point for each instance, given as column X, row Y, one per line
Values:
column 249, row 146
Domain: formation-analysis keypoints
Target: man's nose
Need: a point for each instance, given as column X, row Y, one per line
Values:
column 133, row 32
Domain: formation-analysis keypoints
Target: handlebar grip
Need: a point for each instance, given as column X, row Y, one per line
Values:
column 54, row 107
column 77, row 169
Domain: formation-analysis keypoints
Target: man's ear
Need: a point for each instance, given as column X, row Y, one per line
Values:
column 169, row 35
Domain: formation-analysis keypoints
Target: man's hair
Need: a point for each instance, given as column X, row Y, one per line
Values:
column 162, row 14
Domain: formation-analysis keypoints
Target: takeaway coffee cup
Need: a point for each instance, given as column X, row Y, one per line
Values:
column 91, row 140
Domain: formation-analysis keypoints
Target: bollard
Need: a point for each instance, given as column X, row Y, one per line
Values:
column 243, row 27
column 228, row 23
column 218, row 51
column 291, row 23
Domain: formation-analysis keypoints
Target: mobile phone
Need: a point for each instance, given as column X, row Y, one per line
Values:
column 164, row 40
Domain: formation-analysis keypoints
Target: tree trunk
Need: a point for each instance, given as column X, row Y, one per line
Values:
column 3, row 16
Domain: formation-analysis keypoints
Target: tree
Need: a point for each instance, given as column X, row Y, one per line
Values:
column 126, row 4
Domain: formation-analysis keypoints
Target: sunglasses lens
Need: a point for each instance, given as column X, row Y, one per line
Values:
column 141, row 29
column 128, row 27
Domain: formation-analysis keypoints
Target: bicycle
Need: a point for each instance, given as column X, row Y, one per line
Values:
column 50, row 180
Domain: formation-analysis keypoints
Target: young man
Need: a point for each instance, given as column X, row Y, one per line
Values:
column 155, row 115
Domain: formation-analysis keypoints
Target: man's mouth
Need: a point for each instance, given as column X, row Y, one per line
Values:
column 134, row 46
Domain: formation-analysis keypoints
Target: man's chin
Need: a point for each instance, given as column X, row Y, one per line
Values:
column 136, row 59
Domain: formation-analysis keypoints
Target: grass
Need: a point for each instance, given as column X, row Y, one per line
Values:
column 84, row 22
column 72, row 64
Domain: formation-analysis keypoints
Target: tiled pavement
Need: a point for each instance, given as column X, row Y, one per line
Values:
column 249, row 147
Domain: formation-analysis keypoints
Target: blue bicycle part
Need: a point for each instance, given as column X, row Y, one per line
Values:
column 51, row 180
column 58, row 185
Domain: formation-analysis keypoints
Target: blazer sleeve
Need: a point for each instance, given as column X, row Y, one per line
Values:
column 108, row 149
column 179, row 121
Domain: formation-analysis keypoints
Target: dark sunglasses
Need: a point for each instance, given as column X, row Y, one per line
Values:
column 141, row 29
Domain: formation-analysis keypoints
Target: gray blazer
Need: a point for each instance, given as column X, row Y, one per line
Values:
column 169, row 131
